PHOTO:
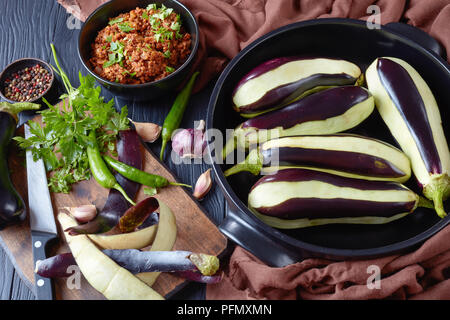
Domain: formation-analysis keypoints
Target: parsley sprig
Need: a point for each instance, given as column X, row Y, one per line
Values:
column 162, row 33
column 125, row 27
column 116, row 54
column 63, row 139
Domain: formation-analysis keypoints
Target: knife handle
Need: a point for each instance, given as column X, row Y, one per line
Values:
column 39, row 242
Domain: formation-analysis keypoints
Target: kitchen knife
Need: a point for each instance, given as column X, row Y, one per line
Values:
column 42, row 220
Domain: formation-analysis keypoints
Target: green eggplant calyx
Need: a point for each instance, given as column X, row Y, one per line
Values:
column 360, row 81
column 206, row 264
column 15, row 108
column 253, row 163
column 425, row 203
column 438, row 190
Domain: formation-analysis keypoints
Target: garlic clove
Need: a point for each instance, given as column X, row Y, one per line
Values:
column 203, row 185
column 149, row 132
column 84, row 213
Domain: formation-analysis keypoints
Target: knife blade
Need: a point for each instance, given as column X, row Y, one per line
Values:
column 42, row 220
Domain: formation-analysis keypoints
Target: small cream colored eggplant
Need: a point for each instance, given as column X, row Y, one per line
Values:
column 347, row 155
column 408, row 107
column 330, row 111
column 280, row 81
column 297, row 198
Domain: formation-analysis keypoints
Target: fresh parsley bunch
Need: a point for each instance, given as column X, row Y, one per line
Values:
column 63, row 139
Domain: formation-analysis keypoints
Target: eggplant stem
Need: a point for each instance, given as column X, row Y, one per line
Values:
column 439, row 203
column 15, row 108
column 438, row 189
column 205, row 263
column 425, row 203
column 253, row 163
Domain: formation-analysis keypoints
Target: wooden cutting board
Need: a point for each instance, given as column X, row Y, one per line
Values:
column 195, row 232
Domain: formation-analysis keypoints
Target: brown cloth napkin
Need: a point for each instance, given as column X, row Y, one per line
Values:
column 228, row 26
column 422, row 274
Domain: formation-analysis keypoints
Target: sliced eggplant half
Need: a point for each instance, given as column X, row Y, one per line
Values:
column 346, row 155
column 280, row 81
column 297, row 198
column 330, row 111
column 410, row 110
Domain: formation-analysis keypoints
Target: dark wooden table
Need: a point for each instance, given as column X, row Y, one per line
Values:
column 27, row 27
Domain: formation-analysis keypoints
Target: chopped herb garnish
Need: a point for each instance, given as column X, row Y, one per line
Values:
column 145, row 15
column 152, row 6
column 114, row 21
column 125, row 27
column 129, row 73
column 175, row 26
column 108, row 38
column 154, row 22
column 116, row 55
column 170, row 69
column 167, row 54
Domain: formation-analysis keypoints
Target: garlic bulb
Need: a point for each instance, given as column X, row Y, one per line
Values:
column 190, row 143
column 84, row 213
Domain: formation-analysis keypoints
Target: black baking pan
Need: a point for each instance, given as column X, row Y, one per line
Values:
column 354, row 41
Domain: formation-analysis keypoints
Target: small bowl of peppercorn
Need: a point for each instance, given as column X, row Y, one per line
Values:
column 26, row 80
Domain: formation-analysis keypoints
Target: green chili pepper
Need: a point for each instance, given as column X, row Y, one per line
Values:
column 100, row 170
column 142, row 177
column 173, row 119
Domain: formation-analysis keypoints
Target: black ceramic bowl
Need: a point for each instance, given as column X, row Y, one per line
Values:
column 21, row 64
column 346, row 39
column 146, row 91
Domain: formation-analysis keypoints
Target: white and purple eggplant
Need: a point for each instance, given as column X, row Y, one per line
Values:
column 409, row 109
column 279, row 81
column 297, row 198
column 330, row 111
column 347, row 155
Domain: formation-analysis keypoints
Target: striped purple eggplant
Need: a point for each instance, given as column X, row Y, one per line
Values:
column 347, row 155
column 280, row 81
column 410, row 110
column 297, row 197
column 326, row 112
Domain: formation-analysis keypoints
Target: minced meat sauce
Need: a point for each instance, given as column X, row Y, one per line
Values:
column 140, row 46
